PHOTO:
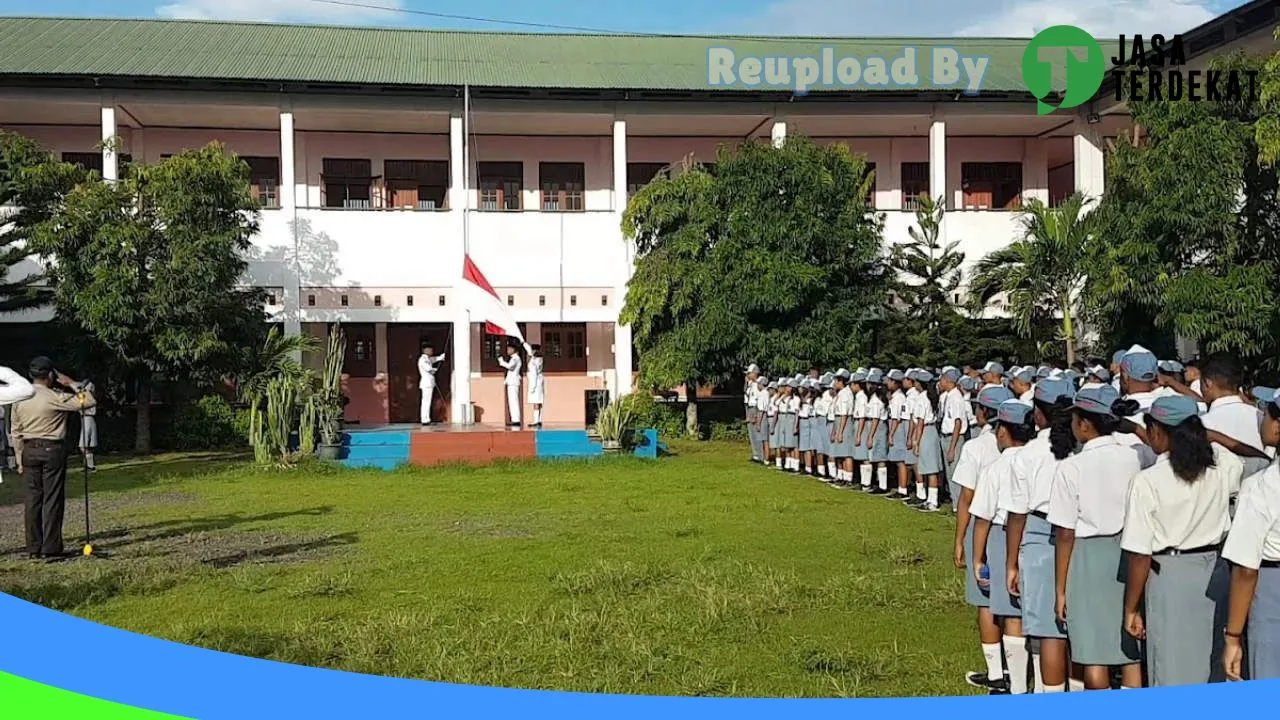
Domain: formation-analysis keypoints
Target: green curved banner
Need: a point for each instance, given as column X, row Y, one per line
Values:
column 21, row 698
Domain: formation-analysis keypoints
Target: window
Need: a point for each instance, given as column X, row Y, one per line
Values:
column 641, row 174
column 604, row 301
column 915, row 184
column 346, row 183
column 311, row 301
column 501, row 185
column 409, row 300
column 564, row 347
column 417, row 184
column 93, row 161
column 871, row 188
column 377, row 301
column 991, row 186
column 511, row 300
column 441, row 301
column 361, row 360
column 264, row 180
column 542, row 301
column 562, row 186
column 573, row 301
column 493, row 347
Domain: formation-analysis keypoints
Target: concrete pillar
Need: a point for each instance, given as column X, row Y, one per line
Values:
column 457, row 163
column 1035, row 170
column 288, row 209
column 622, row 333
column 779, row 133
column 938, row 161
column 110, row 162
column 459, row 206
column 1090, row 168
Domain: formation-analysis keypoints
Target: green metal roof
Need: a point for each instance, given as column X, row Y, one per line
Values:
column 107, row 48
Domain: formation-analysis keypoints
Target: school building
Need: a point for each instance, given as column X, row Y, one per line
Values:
column 380, row 156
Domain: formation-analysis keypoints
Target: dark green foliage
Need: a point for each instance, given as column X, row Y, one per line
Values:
column 773, row 259
column 210, row 423
column 19, row 274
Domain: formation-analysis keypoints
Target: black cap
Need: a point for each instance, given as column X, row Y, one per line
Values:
column 40, row 366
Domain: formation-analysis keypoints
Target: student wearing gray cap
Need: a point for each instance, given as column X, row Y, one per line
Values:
column 877, row 435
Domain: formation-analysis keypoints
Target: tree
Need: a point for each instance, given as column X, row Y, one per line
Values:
column 153, row 266
column 1188, row 241
column 927, row 272
column 18, row 156
column 1042, row 274
column 772, row 259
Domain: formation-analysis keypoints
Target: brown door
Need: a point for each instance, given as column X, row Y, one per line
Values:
column 404, row 345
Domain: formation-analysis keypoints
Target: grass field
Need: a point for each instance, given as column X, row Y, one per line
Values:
column 697, row 574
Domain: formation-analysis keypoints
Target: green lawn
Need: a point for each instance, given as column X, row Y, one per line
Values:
column 697, row 574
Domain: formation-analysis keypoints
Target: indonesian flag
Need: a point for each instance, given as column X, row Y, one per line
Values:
column 480, row 298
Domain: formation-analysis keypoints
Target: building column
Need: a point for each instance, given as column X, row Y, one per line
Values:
column 778, row 135
column 110, row 164
column 622, row 333
column 288, row 209
column 1035, row 170
column 938, row 161
column 1090, row 165
column 460, row 206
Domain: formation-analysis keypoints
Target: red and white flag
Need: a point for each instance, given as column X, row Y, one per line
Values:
column 482, row 301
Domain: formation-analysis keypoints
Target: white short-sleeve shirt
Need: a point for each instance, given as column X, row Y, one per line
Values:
column 830, row 395
column 1236, row 419
column 792, row 406
column 860, row 405
column 974, row 458
column 899, row 408
column 1034, row 454
column 844, row 402
column 1164, row 511
column 1144, row 400
column 1091, row 487
column 876, row 409
column 762, row 400
column 954, row 407
column 993, row 496
column 1255, row 532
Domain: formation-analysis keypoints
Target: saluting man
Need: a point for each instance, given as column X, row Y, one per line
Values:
column 512, row 364
column 428, row 363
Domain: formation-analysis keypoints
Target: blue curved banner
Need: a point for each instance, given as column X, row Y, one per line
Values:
column 46, row 648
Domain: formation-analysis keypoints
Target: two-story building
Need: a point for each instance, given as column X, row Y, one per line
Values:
column 381, row 156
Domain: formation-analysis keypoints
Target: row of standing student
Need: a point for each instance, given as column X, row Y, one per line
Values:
column 1092, row 526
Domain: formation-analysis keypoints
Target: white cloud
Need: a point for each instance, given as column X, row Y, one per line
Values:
column 279, row 10
column 1003, row 18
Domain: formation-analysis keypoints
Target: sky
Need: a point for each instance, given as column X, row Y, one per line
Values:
column 914, row 18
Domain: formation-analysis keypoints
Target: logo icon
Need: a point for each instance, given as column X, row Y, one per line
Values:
column 1071, row 54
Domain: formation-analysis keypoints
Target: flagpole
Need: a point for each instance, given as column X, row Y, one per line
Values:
column 466, row 223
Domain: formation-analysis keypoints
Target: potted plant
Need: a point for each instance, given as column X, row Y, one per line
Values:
column 327, row 400
column 614, row 425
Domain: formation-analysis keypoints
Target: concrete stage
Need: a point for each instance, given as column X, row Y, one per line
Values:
column 390, row 446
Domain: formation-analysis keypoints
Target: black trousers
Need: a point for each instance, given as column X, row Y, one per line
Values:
column 44, row 472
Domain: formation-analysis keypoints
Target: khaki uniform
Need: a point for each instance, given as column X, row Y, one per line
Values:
column 39, row 433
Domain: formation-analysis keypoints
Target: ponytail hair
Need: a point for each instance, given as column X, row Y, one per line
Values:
column 1190, row 453
column 931, row 391
column 879, row 390
column 1062, row 442
column 1124, row 408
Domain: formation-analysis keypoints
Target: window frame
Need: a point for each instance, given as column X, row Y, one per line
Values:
column 414, row 175
column 556, row 186
column 504, row 181
column 260, row 172
column 489, row 344
column 344, row 178
column 558, row 336
column 990, row 182
column 648, row 170
column 907, row 182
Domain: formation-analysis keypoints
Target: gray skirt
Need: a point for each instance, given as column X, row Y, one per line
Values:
column 1037, row 580
column 806, row 434
column 1002, row 603
column 843, row 446
column 1186, row 614
column 898, row 451
column 930, row 450
column 972, row 593
column 821, row 435
column 1264, row 626
column 88, row 431
column 787, row 431
column 756, row 435
column 1095, row 604
column 880, row 443
column 862, row 446
column 770, row 427
column 950, row 466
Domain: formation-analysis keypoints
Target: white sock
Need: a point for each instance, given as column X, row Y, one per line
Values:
column 845, row 476
column 778, row 462
column 995, row 661
column 1055, row 688
column 831, row 470
column 1034, row 647
column 933, row 497
column 866, row 475
column 920, row 493
column 1074, row 685
column 822, row 470
column 902, row 491
column 1015, row 655
column 882, row 475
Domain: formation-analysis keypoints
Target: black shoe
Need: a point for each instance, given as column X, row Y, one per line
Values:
column 895, row 495
column 57, row 557
column 913, row 501
column 35, row 556
column 928, row 508
column 877, row 491
column 999, row 688
column 981, row 680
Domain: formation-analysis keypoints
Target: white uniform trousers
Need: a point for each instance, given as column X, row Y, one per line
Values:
column 513, row 403
column 428, row 390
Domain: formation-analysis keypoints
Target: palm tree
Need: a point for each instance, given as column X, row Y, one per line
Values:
column 1043, row 273
column 279, row 356
column 927, row 269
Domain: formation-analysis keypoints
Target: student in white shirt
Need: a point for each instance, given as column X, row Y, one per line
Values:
column 1253, row 548
column 992, row 374
column 974, row 459
column 899, row 422
column 1096, row 376
column 830, row 394
column 928, row 444
column 954, row 428
column 1116, row 358
column 1031, row 572
column 854, row 465
column 820, row 430
column 1086, row 508
column 512, row 364
column 1020, row 383
column 1175, row 521
column 1014, row 428
column 877, row 435
column 537, row 384
column 1228, row 414
column 842, row 432
column 759, row 396
column 788, row 426
column 770, row 423
column 805, row 442
column 428, row 363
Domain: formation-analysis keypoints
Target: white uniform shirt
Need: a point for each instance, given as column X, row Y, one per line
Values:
column 922, row 409
column 748, row 397
column 844, row 402
column 774, row 402
column 860, row 405
column 1164, row 511
column 512, row 365
column 1236, row 419
column 974, row 458
column 1091, row 487
column 1024, row 490
column 876, row 410
column 793, row 405
column 1029, row 395
column 1255, row 532
column 427, row 369
column 806, row 408
column 1144, row 400
column 899, row 406
column 830, row 397
column 994, row 494
column 761, row 399
column 954, row 407
column 15, row 388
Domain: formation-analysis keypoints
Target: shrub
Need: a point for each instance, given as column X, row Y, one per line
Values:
column 210, row 423
column 730, row 430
